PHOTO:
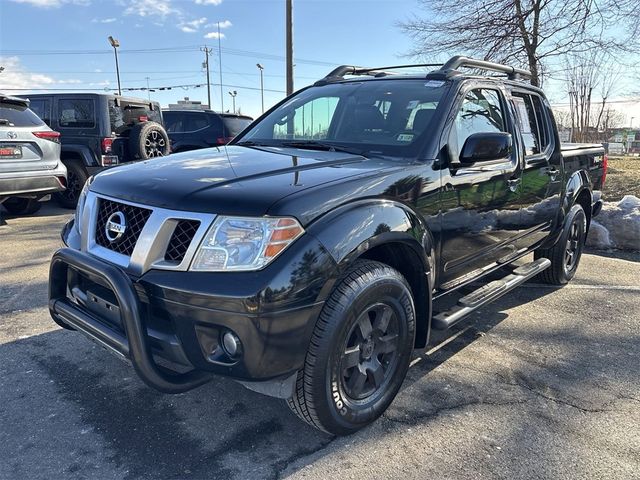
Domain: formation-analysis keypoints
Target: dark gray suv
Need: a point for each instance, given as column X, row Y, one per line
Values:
column 98, row 131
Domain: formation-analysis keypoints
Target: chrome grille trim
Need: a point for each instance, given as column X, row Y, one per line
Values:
column 149, row 251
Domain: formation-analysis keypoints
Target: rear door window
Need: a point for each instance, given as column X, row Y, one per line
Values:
column 174, row 122
column 76, row 113
column 195, row 122
column 18, row 115
column 42, row 108
column 533, row 135
column 481, row 112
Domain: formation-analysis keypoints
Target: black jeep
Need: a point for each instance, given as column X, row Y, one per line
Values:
column 98, row 131
column 309, row 257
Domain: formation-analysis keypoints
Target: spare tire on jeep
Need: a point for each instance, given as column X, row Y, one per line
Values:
column 148, row 140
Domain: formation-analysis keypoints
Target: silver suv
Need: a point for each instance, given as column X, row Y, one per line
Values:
column 30, row 166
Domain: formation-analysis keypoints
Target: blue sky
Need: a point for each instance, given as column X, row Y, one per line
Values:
column 327, row 33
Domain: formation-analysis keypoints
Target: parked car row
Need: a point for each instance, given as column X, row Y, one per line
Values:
column 68, row 137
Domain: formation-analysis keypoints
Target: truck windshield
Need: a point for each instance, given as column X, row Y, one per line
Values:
column 381, row 116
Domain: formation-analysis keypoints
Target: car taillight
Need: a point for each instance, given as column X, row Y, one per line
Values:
column 107, row 144
column 143, row 118
column 605, row 165
column 223, row 140
column 48, row 135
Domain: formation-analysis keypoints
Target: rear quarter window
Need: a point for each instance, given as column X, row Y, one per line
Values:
column 76, row 113
column 234, row 125
column 13, row 115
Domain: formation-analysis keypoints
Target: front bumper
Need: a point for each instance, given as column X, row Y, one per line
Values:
column 180, row 317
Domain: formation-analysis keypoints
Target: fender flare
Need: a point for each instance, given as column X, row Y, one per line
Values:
column 577, row 183
column 82, row 151
column 353, row 229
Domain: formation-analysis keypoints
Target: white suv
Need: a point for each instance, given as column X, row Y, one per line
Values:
column 30, row 166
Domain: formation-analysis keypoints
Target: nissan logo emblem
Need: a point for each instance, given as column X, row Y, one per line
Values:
column 115, row 227
column 12, row 135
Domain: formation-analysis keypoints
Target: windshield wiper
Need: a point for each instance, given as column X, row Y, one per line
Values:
column 329, row 147
column 251, row 143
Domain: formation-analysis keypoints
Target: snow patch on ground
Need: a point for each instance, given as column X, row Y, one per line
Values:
column 617, row 225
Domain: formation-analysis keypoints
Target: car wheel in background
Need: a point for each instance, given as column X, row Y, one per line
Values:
column 21, row 206
column 149, row 140
column 76, row 178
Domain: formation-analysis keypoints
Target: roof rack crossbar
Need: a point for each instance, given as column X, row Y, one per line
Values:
column 340, row 72
column 460, row 61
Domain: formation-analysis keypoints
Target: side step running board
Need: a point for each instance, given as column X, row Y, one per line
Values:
column 488, row 293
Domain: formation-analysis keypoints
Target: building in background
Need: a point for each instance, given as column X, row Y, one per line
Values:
column 187, row 104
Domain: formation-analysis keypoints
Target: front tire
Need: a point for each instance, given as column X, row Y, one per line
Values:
column 359, row 352
column 565, row 254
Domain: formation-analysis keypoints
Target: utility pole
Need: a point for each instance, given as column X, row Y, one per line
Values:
column 207, row 52
column 233, row 97
column 115, row 44
column 148, row 90
column 289, row 47
column 220, row 66
column 261, row 68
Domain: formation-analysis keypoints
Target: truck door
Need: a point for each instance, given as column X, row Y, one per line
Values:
column 541, row 177
column 480, row 203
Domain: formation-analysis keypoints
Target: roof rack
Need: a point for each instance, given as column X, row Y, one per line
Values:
column 448, row 70
column 339, row 73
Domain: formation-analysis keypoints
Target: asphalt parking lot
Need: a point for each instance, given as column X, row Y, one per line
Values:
column 545, row 383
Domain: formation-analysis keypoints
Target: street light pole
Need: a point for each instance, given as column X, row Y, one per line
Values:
column 233, row 97
column 261, row 68
column 115, row 44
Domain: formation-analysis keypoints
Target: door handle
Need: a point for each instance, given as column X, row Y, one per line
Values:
column 552, row 171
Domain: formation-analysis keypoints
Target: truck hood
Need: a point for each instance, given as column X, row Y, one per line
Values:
column 233, row 180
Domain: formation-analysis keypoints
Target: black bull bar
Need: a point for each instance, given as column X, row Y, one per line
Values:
column 133, row 345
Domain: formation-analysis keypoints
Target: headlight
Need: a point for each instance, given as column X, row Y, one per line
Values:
column 81, row 201
column 242, row 243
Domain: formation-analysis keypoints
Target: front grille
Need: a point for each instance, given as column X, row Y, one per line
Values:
column 135, row 218
column 180, row 240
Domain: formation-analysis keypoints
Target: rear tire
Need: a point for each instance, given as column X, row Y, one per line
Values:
column 565, row 254
column 359, row 352
column 76, row 178
column 21, row 206
column 148, row 140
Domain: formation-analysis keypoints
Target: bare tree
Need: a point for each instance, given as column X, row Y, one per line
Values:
column 527, row 32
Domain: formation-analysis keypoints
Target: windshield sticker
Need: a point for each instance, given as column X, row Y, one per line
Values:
column 434, row 83
column 405, row 137
column 412, row 104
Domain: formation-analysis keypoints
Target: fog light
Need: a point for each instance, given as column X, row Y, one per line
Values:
column 231, row 344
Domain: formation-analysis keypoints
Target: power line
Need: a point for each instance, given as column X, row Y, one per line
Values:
column 132, row 89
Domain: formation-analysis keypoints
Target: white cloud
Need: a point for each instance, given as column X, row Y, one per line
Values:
column 214, row 35
column 53, row 3
column 223, row 24
column 208, row 2
column 103, row 20
column 150, row 8
column 15, row 75
column 193, row 25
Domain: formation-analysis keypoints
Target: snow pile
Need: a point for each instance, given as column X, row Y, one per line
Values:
column 617, row 225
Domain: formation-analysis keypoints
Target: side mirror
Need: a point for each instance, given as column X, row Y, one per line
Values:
column 486, row 147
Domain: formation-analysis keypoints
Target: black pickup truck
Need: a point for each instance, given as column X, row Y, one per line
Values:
column 308, row 258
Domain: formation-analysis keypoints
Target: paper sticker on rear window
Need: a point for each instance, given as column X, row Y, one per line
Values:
column 405, row 137
column 434, row 83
